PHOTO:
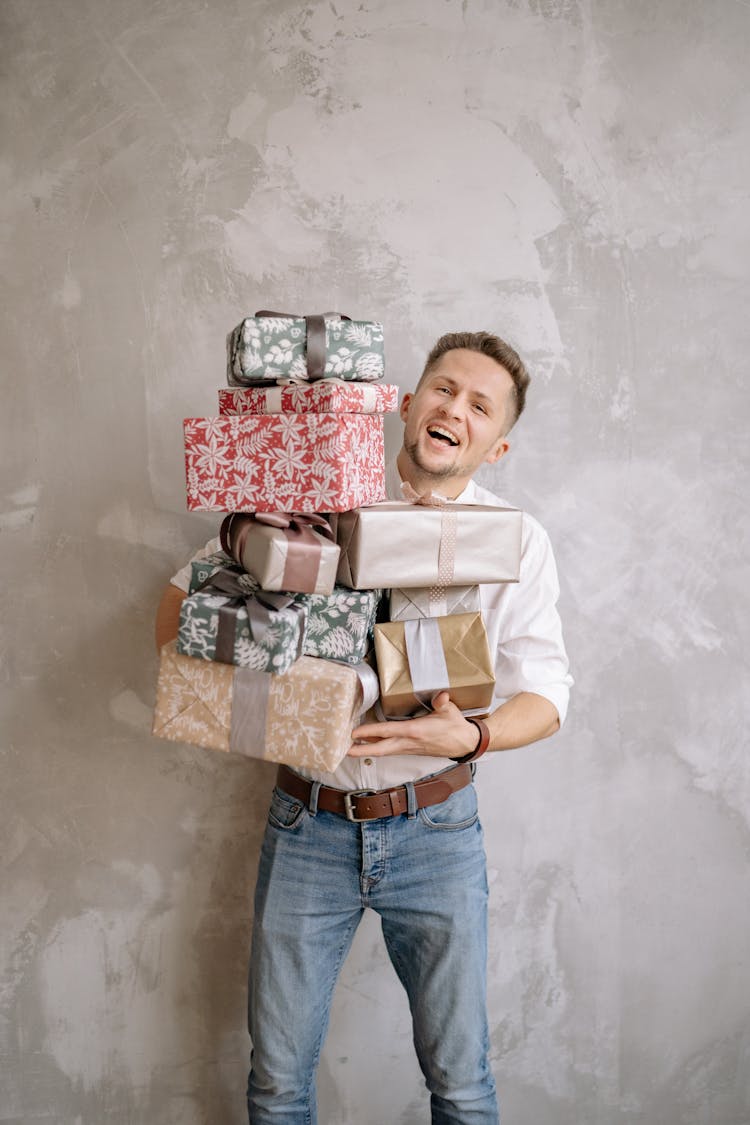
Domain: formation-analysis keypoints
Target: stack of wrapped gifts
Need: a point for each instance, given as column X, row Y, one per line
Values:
column 269, row 659
column 319, row 578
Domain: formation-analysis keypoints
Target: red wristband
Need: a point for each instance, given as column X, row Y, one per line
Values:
column 482, row 744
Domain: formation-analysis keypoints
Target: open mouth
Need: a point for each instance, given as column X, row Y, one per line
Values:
column 440, row 434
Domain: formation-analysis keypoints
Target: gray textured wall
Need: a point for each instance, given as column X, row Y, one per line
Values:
column 573, row 173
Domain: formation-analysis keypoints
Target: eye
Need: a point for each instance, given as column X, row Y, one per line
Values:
column 478, row 406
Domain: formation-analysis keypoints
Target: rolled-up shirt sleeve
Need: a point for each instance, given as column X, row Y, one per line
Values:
column 524, row 626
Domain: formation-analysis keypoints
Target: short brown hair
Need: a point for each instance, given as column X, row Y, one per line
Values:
column 495, row 348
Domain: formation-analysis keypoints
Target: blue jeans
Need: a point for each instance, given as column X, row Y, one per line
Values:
column 425, row 875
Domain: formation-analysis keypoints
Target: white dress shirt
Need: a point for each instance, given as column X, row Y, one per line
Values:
column 523, row 629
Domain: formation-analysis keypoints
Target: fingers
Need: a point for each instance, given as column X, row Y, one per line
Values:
column 441, row 701
column 381, row 748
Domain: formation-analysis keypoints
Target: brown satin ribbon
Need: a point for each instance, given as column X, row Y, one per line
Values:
column 261, row 605
column 304, row 549
column 315, row 339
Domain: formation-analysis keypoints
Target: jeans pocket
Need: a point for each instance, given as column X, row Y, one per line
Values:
column 459, row 811
column 285, row 811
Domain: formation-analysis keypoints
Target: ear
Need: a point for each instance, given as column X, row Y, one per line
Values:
column 499, row 449
column 404, row 407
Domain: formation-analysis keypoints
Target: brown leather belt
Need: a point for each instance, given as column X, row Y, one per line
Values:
column 371, row 804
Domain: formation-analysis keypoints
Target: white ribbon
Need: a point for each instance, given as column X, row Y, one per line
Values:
column 273, row 400
column 424, row 651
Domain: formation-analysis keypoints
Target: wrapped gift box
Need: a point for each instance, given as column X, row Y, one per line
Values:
column 251, row 630
column 420, row 657
column 284, row 462
column 303, row 718
column 324, row 396
column 432, row 601
column 339, row 625
column 283, row 552
column 399, row 545
column 266, row 348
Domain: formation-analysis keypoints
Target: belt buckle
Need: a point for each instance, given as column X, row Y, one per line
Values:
column 348, row 807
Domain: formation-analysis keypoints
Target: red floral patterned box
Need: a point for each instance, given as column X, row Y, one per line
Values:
column 324, row 395
column 284, row 462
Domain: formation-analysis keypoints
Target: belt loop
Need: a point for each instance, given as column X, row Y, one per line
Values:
column 313, row 803
column 411, row 800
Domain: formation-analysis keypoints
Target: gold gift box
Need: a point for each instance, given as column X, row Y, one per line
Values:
column 398, row 545
column 454, row 655
column 303, row 717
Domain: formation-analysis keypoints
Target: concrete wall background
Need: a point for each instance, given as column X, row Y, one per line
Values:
column 571, row 173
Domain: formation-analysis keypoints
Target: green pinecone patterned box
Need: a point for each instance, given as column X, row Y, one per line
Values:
column 274, row 649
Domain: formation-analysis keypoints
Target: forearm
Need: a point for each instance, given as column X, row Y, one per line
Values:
column 525, row 718
column 168, row 615
column 446, row 733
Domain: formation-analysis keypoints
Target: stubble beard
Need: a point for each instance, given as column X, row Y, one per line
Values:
column 412, row 449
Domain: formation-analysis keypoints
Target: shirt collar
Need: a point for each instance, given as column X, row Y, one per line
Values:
column 393, row 486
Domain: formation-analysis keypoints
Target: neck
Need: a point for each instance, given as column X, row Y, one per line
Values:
column 450, row 487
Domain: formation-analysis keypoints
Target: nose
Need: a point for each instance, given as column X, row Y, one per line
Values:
column 451, row 407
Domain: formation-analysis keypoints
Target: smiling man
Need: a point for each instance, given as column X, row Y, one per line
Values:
column 411, row 849
column 396, row 828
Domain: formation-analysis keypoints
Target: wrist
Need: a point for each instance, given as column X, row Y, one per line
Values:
column 482, row 743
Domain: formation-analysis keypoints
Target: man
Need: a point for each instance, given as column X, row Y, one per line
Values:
column 411, row 849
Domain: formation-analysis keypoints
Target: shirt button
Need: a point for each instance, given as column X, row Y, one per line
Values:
column 367, row 761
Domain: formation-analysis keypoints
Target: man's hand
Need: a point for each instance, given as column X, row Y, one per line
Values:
column 444, row 733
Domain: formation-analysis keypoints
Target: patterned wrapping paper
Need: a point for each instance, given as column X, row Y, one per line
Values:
column 339, row 625
column 433, row 601
column 264, row 349
column 418, row 658
column 303, row 718
column 274, row 649
column 325, row 395
column 284, row 462
column 399, row 546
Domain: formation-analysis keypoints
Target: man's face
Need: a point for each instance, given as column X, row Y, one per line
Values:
column 456, row 420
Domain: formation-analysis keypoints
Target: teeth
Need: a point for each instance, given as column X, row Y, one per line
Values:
column 432, row 430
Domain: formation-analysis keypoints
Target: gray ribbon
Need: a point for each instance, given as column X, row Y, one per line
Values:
column 370, row 684
column 261, row 605
column 424, row 652
column 247, row 730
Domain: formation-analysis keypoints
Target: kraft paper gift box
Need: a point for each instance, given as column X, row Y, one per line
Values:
column 325, row 395
column 283, row 552
column 399, row 545
column 339, row 625
column 420, row 657
column 226, row 622
column 267, row 348
column 303, row 717
column 284, row 462
column 432, row 601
